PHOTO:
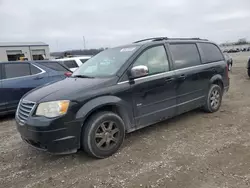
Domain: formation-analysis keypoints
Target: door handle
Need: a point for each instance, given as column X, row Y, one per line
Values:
column 182, row 77
column 169, row 79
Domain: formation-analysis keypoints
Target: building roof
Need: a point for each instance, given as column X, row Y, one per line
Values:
column 20, row 44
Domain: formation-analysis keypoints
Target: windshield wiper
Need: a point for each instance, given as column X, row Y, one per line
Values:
column 81, row 76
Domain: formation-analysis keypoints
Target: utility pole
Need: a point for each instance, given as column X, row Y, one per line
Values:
column 57, row 47
column 84, row 43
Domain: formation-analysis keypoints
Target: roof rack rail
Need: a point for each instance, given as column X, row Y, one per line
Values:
column 166, row 38
column 152, row 39
column 186, row 39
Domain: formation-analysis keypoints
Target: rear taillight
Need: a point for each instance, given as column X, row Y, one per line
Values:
column 68, row 74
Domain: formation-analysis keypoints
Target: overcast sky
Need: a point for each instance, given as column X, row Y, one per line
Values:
column 106, row 23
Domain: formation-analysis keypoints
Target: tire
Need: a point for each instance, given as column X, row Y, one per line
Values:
column 248, row 72
column 214, row 98
column 103, row 134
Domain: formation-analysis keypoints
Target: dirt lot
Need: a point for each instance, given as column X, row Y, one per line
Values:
column 195, row 150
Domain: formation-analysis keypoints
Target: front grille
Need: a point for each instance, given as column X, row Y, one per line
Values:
column 25, row 108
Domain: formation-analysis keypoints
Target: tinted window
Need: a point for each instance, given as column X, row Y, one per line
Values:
column 185, row 55
column 155, row 59
column 16, row 70
column 54, row 66
column 211, row 52
column 83, row 60
column 70, row 63
column 34, row 70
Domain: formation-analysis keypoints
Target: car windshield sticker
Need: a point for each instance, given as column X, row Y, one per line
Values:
column 127, row 49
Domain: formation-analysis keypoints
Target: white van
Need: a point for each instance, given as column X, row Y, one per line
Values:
column 73, row 62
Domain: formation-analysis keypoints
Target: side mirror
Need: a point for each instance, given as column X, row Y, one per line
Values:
column 139, row 71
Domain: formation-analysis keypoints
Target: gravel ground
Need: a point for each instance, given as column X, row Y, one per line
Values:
column 194, row 150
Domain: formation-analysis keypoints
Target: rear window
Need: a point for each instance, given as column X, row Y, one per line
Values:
column 70, row 63
column 16, row 70
column 54, row 66
column 211, row 53
column 185, row 55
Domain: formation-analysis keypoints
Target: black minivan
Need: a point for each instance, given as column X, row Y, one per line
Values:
column 121, row 90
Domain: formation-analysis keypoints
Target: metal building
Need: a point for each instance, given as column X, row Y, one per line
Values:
column 28, row 51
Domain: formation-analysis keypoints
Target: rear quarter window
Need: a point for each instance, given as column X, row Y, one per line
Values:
column 211, row 52
column 83, row 60
column 34, row 70
column 70, row 63
column 185, row 55
column 54, row 66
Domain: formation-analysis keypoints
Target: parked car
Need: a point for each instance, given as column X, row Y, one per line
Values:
column 74, row 62
column 121, row 90
column 17, row 78
column 229, row 60
column 233, row 51
column 248, row 67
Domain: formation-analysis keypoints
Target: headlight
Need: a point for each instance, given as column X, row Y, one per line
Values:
column 52, row 109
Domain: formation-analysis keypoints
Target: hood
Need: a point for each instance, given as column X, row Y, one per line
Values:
column 65, row 89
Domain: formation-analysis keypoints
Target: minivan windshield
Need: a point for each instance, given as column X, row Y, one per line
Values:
column 106, row 63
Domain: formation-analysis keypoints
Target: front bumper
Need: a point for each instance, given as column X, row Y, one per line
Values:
column 54, row 136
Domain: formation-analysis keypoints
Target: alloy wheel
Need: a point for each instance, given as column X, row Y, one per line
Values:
column 107, row 135
column 215, row 99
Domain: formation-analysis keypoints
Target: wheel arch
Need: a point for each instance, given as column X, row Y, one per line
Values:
column 107, row 103
column 217, row 79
